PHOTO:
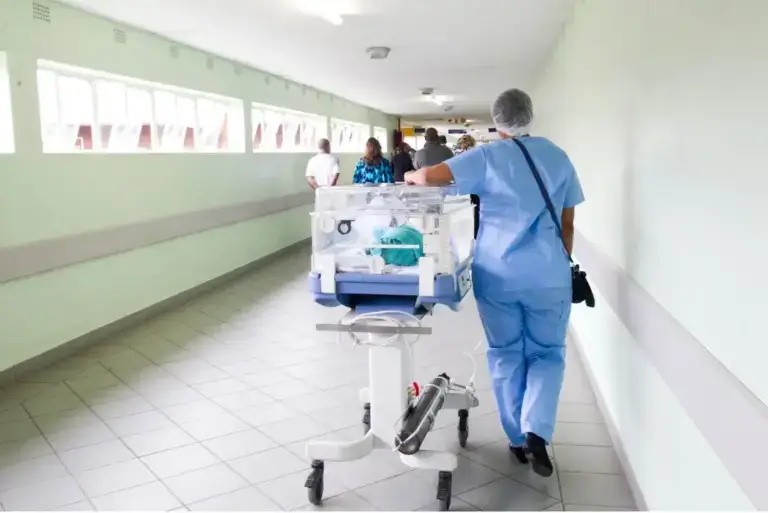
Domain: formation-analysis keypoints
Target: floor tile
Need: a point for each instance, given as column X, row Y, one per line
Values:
column 235, row 370
column 205, row 483
column 188, row 412
column 268, row 465
column 266, row 414
column 18, row 430
column 23, row 450
column 262, row 378
column 81, row 436
column 95, row 456
column 114, row 394
column 221, row 387
column 159, row 440
column 567, row 433
column 406, row 492
column 596, row 490
column 56, row 399
column 139, row 423
column 497, row 457
column 13, row 413
column 43, row 495
column 29, row 472
column 349, row 501
column 114, row 478
column 468, row 476
column 289, row 491
column 84, row 505
column 246, row 499
column 591, row 460
column 293, row 430
column 63, row 421
column 577, row 507
column 242, row 400
column 507, row 495
column 240, row 444
column 120, row 409
column 287, row 389
column 579, row 412
column 177, row 461
column 148, row 497
column 171, row 398
column 377, row 466
column 213, row 427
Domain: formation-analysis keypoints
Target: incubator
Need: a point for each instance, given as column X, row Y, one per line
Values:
column 405, row 245
column 391, row 254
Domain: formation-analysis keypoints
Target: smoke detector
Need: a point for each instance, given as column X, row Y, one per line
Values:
column 378, row 52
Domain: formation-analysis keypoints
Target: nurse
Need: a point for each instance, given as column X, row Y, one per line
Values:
column 521, row 271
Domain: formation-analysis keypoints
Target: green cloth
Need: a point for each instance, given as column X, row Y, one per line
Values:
column 401, row 235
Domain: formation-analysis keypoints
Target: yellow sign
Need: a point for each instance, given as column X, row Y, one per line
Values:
column 408, row 131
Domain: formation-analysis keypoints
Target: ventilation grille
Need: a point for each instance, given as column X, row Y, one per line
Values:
column 120, row 36
column 209, row 63
column 174, row 51
column 41, row 12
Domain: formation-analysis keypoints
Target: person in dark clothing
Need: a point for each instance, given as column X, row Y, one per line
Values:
column 402, row 162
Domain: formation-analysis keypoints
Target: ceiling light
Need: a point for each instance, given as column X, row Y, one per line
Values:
column 332, row 18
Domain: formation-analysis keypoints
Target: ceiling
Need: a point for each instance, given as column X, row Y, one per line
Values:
column 467, row 50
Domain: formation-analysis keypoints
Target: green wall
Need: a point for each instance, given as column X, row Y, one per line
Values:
column 49, row 196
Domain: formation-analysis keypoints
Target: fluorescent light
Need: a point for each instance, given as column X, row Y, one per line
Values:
column 332, row 18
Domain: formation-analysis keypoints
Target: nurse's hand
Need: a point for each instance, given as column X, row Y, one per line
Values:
column 416, row 177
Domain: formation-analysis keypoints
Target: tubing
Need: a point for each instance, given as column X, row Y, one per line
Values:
column 419, row 419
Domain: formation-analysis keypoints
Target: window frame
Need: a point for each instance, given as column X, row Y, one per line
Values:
column 268, row 115
column 7, row 138
column 232, row 130
column 355, row 142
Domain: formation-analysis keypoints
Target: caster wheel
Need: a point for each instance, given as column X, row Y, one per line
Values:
column 366, row 417
column 463, row 427
column 314, row 483
column 444, row 491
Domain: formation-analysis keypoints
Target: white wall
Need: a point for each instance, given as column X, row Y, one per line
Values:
column 662, row 106
column 45, row 196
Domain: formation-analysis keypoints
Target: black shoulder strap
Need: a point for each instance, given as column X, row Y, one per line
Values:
column 543, row 189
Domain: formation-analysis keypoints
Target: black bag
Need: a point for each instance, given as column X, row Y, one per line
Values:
column 582, row 292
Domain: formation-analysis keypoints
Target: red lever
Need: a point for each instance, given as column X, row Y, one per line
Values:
column 415, row 389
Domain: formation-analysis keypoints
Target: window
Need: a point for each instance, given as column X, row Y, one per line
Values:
column 6, row 118
column 348, row 136
column 382, row 134
column 283, row 130
column 88, row 111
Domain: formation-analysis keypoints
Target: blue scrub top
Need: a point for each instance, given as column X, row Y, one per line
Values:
column 518, row 246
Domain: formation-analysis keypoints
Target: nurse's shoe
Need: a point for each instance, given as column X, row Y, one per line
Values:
column 519, row 453
column 536, row 449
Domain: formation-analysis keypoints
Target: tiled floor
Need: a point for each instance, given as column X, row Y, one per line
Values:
column 209, row 407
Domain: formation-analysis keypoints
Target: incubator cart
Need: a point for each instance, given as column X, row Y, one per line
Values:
column 391, row 254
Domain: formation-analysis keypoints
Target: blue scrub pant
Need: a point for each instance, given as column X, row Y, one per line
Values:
column 526, row 356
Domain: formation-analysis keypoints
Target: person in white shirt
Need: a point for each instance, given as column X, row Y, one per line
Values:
column 323, row 168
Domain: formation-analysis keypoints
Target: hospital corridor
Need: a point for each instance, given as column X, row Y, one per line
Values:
column 383, row 255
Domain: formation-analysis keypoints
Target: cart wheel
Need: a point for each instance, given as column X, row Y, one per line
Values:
column 314, row 483
column 444, row 481
column 367, row 417
column 463, row 427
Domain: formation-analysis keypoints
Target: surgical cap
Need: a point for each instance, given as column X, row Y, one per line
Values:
column 512, row 112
